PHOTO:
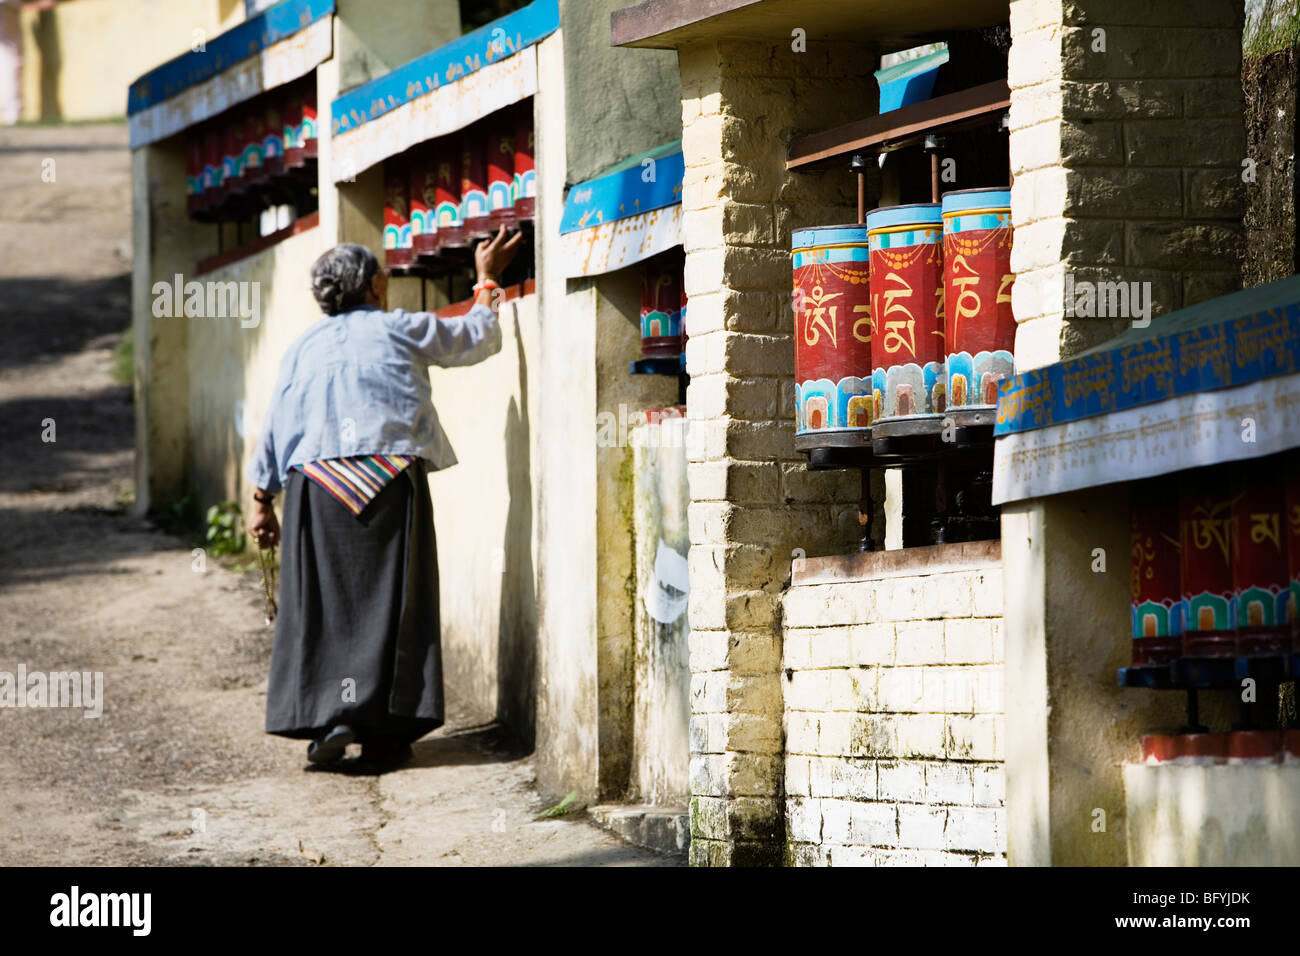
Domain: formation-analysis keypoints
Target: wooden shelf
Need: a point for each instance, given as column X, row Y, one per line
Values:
column 979, row 104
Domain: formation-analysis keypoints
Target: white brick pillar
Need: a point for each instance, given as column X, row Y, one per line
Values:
column 752, row 501
column 1127, row 145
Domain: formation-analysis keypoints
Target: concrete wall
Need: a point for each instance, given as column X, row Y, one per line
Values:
column 1242, row 815
column 893, row 709
column 79, row 58
column 374, row 36
column 620, row 102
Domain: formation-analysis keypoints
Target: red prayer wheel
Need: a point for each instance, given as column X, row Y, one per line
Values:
column 1292, row 530
column 1154, row 575
column 422, row 165
column 451, row 228
column 832, row 326
column 1260, row 577
column 273, row 135
column 501, row 170
column 525, row 191
column 232, row 153
column 980, row 329
column 1205, row 540
column 906, row 248
column 300, row 124
column 194, row 179
column 662, row 300
column 474, row 212
column 213, row 169
column 254, row 146
column 397, row 215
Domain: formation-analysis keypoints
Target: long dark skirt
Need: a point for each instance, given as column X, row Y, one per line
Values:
column 357, row 640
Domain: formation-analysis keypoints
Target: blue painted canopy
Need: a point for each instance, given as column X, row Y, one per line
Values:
column 495, row 41
column 1229, row 341
column 222, row 52
column 623, row 189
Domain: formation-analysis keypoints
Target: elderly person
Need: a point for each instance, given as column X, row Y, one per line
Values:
column 350, row 437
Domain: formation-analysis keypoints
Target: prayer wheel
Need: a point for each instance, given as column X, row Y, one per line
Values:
column 1205, row 541
column 446, row 209
column 1157, row 608
column 212, row 166
column 232, row 153
column 525, row 191
column 1260, row 577
column 832, row 325
column 979, row 329
column 397, row 215
column 300, row 118
column 254, row 141
column 423, row 171
column 501, row 169
column 474, row 211
column 907, row 353
column 194, row 179
column 662, row 300
column 1292, row 531
column 273, row 135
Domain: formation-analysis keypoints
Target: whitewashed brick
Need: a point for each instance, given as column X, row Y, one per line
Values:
column 949, row 783
column 919, row 642
column 920, row 735
column 900, row 599
column 873, row 824
column 851, row 689
column 836, row 732
column 835, row 821
column 899, row 690
column 968, row 641
column 921, row 827
column 803, row 819
column 872, row 643
column 948, row 595
column 853, row 856
column 974, row 738
column 956, row 689
column 988, row 594
column 829, row 647
column 986, row 690
column 797, row 776
column 801, row 732
column 809, row 690
column 990, row 785
column 901, row 781
column 796, row 651
column 975, row 828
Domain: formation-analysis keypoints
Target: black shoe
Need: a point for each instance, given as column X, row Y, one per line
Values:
column 377, row 758
column 332, row 746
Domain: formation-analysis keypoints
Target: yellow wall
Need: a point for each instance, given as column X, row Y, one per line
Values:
column 80, row 57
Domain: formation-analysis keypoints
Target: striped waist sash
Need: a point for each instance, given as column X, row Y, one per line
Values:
column 355, row 481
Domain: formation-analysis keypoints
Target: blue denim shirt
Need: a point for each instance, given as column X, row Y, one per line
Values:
column 357, row 383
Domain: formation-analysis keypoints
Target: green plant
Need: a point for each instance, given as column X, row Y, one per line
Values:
column 1271, row 25
column 124, row 359
column 223, row 534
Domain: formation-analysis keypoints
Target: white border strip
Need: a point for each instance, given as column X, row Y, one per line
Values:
column 434, row 114
column 613, row 245
column 279, row 63
column 1188, row 431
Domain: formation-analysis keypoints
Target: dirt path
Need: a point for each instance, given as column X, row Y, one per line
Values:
column 177, row 769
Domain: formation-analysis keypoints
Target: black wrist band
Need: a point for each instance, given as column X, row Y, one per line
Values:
column 264, row 501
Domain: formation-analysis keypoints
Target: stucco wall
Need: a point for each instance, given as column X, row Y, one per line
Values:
column 893, row 709
column 79, row 58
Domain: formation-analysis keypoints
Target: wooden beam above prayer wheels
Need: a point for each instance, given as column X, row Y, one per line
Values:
column 979, row 104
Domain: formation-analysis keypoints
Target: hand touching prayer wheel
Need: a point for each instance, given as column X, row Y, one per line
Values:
column 832, row 330
column 907, row 308
column 473, row 184
column 501, row 169
column 980, row 329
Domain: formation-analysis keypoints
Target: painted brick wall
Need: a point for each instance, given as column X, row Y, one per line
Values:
column 893, row 709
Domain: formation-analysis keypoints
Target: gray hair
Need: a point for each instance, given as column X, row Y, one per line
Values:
column 341, row 277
